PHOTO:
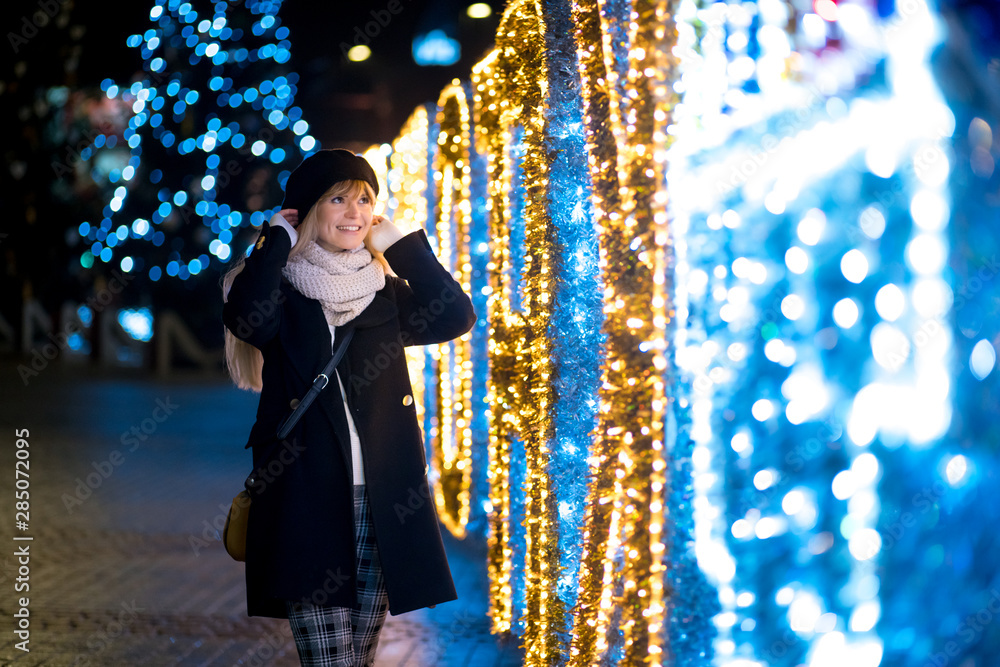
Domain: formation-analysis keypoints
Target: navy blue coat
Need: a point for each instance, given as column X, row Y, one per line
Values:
column 300, row 541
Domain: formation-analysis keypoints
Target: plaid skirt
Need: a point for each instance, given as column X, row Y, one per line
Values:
column 346, row 636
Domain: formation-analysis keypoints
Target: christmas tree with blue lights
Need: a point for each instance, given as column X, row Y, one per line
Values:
column 213, row 133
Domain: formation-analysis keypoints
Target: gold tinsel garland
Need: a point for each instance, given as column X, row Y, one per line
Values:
column 505, row 328
column 452, row 442
column 408, row 173
column 412, row 185
column 510, row 89
column 626, row 521
column 407, row 180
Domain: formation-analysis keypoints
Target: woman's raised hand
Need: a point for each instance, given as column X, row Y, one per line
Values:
column 291, row 215
column 383, row 233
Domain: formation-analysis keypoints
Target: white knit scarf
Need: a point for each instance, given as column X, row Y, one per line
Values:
column 344, row 282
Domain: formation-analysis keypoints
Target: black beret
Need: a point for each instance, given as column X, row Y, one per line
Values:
column 318, row 172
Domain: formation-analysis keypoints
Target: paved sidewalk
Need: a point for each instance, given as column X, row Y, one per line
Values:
column 130, row 478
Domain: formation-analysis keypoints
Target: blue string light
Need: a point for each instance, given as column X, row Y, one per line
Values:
column 217, row 56
column 576, row 339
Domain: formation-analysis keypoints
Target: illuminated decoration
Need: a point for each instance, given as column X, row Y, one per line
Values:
column 408, row 176
column 510, row 129
column 813, row 214
column 624, row 566
column 638, row 514
column 451, row 449
column 601, row 532
column 213, row 125
column 378, row 158
column 505, row 327
column 449, row 380
column 408, row 201
column 774, row 329
column 575, row 323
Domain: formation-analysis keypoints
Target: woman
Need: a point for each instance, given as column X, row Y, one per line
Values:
column 343, row 524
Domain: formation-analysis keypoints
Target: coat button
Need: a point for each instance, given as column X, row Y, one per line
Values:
column 408, row 400
column 294, row 403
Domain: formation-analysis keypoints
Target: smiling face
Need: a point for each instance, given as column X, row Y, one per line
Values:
column 344, row 216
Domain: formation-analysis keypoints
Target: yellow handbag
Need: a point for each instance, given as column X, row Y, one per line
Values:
column 234, row 534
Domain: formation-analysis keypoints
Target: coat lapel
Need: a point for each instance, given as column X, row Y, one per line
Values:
column 379, row 311
column 310, row 354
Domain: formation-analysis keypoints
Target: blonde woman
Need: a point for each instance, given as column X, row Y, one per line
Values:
column 343, row 527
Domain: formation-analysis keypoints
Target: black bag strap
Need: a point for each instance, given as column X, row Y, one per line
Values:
column 318, row 384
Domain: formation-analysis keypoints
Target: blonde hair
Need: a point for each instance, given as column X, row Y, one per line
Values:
column 244, row 361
